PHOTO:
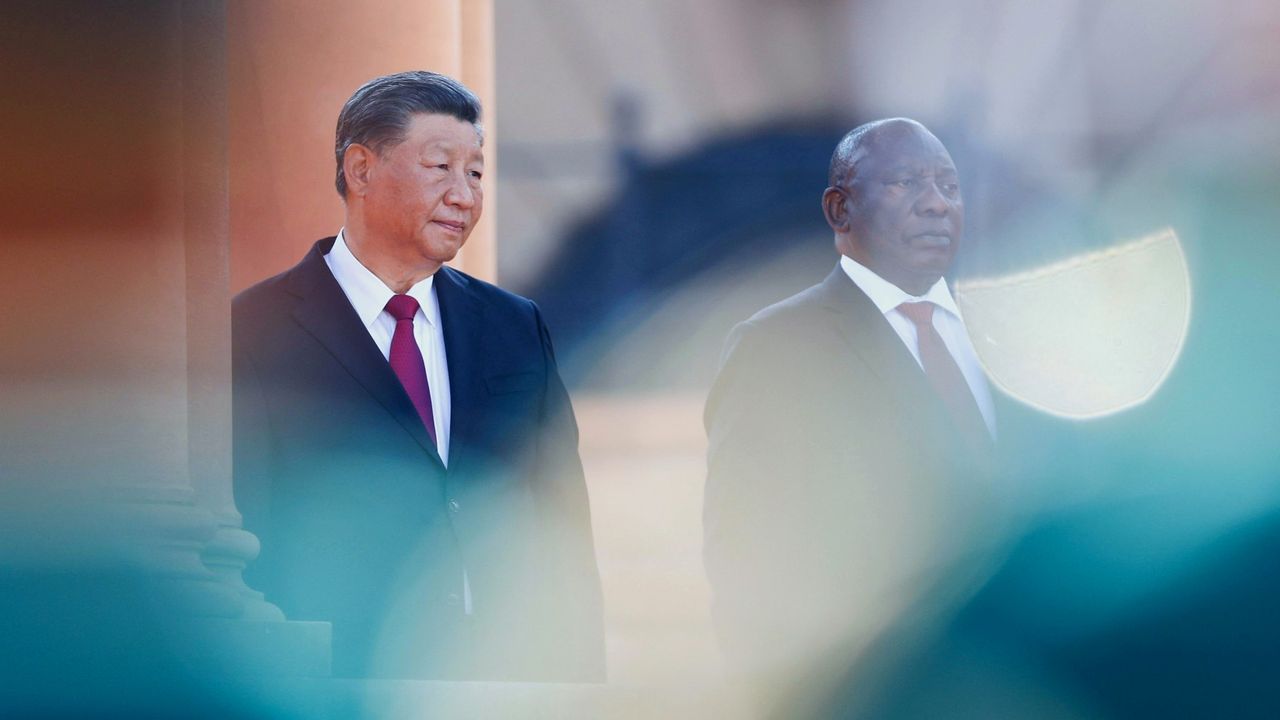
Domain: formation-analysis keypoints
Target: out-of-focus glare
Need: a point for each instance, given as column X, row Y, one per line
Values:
column 1084, row 337
column 1088, row 336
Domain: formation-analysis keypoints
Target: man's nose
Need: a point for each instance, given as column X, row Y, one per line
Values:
column 931, row 200
column 461, row 193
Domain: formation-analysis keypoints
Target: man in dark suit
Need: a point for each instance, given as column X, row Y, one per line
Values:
column 404, row 448
column 850, row 426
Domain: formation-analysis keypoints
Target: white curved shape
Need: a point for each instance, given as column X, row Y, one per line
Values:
column 1086, row 337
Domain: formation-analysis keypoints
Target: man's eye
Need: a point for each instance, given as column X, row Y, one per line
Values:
column 906, row 183
column 475, row 174
column 950, row 188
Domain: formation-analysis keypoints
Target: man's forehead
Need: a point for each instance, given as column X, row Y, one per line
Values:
column 936, row 163
column 901, row 148
column 441, row 130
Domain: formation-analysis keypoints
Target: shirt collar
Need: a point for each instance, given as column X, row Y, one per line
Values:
column 887, row 296
column 367, row 293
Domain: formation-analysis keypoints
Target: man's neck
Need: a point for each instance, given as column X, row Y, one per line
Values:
column 887, row 295
column 396, row 275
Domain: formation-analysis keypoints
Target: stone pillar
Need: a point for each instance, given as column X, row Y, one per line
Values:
column 292, row 64
column 120, row 546
column 480, row 257
column 159, row 156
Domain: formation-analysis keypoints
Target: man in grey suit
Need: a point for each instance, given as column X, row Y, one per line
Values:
column 850, row 425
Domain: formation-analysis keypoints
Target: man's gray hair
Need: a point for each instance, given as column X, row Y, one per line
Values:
column 378, row 114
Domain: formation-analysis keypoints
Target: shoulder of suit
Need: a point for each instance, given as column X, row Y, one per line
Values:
column 260, row 291
column 486, row 291
column 779, row 331
column 262, row 304
column 270, row 292
column 259, row 307
column 797, row 309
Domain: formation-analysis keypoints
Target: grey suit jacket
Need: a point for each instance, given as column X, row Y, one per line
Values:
column 836, row 482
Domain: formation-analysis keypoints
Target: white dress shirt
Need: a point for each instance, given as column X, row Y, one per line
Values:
column 369, row 296
column 946, row 320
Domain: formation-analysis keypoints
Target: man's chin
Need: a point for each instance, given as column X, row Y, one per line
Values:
column 933, row 262
column 921, row 276
column 441, row 252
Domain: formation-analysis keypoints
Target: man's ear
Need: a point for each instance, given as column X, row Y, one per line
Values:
column 357, row 163
column 835, row 207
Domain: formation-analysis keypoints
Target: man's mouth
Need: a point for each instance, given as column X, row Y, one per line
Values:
column 931, row 240
column 451, row 225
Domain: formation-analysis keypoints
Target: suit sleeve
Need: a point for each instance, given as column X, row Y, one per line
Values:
column 757, row 457
column 563, row 499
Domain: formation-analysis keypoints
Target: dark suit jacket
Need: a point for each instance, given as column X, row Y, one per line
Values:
column 360, row 522
column 836, row 482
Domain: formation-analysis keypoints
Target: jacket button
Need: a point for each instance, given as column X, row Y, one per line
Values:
column 454, row 507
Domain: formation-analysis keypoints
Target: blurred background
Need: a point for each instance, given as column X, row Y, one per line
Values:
column 660, row 169
column 654, row 179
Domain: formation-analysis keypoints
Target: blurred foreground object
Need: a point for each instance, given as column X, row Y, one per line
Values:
column 121, row 551
column 1088, row 336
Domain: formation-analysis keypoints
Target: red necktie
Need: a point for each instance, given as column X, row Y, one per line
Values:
column 945, row 376
column 406, row 359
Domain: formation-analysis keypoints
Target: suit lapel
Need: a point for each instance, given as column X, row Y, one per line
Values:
column 324, row 311
column 867, row 332
column 462, row 320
